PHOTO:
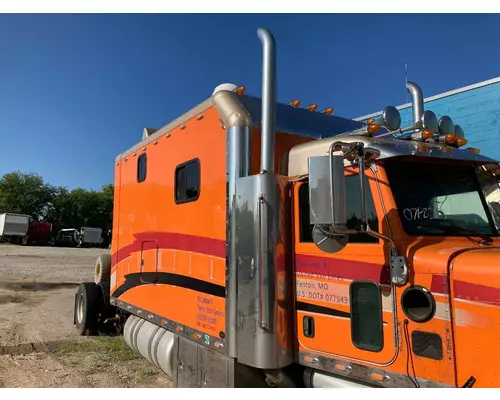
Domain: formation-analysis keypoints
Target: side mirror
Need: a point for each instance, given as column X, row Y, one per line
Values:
column 327, row 192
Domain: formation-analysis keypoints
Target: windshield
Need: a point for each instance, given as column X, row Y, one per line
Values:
column 439, row 199
column 488, row 179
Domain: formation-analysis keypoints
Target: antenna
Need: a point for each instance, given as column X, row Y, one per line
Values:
column 406, row 79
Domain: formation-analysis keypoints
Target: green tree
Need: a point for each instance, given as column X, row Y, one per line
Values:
column 80, row 207
column 25, row 194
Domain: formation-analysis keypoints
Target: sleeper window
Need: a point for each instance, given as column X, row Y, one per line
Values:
column 187, row 182
column 141, row 168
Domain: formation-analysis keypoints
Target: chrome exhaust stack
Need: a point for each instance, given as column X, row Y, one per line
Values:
column 268, row 123
column 417, row 99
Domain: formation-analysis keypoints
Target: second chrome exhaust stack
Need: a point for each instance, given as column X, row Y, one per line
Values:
column 417, row 100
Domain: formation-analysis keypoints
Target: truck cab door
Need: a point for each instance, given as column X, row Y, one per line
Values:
column 149, row 261
column 343, row 299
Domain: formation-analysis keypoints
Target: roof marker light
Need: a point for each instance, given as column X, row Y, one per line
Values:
column 328, row 111
column 427, row 134
column 450, row 138
column 241, row 90
column 373, row 128
column 312, row 107
column 294, row 103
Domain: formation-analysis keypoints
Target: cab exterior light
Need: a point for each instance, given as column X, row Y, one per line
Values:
column 312, row 107
column 328, row 111
column 461, row 142
column 241, row 90
column 427, row 134
column 295, row 103
column 474, row 150
column 373, row 128
column 422, row 148
column 450, row 138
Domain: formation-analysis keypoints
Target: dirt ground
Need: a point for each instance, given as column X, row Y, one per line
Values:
column 39, row 345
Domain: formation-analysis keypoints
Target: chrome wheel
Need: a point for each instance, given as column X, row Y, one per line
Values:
column 79, row 308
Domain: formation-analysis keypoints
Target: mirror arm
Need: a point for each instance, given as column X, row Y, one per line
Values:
column 377, row 235
column 331, row 149
column 359, row 147
column 361, row 165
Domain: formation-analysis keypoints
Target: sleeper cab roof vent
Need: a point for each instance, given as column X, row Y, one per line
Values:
column 148, row 132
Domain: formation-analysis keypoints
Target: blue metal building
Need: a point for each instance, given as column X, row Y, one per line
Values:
column 476, row 108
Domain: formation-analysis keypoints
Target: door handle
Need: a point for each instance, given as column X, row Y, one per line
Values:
column 308, row 326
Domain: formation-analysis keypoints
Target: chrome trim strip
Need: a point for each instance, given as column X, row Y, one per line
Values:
column 363, row 373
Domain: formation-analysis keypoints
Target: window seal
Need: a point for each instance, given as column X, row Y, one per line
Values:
column 139, row 159
column 198, row 182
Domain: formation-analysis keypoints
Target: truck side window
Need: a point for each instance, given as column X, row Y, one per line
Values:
column 366, row 315
column 141, row 167
column 353, row 209
column 187, row 182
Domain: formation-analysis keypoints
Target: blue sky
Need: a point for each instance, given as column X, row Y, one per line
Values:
column 76, row 90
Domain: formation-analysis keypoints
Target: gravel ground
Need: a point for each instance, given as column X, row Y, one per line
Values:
column 47, row 264
column 39, row 345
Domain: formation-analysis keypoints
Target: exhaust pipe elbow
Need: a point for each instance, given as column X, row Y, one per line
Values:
column 268, row 113
column 417, row 100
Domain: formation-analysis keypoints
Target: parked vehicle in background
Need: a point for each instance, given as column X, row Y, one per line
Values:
column 39, row 233
column 89, row 236
column 13, row 227
column 67, row 237
column 106, row 238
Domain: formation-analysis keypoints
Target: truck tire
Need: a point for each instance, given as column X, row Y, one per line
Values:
column 87, row 305
column 102, row 271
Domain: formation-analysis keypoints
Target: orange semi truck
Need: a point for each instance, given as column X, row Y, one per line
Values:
column 265, row 244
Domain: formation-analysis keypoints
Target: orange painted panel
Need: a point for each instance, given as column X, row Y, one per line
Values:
column 203, row 312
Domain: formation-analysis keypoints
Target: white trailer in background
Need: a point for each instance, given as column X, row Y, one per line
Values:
column 14, row 227
column 90, row 236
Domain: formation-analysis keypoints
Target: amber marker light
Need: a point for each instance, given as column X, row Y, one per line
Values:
column 378, row 376
column 310, row 360
column 450, row 138
column 427, row 134
column 312, row 107
column 461, row 142
column 422, row 148
column 295, row 103
column 342, row 367
column 373, row 129
column 474, row 150
column 328, row 111
column 241, row 90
